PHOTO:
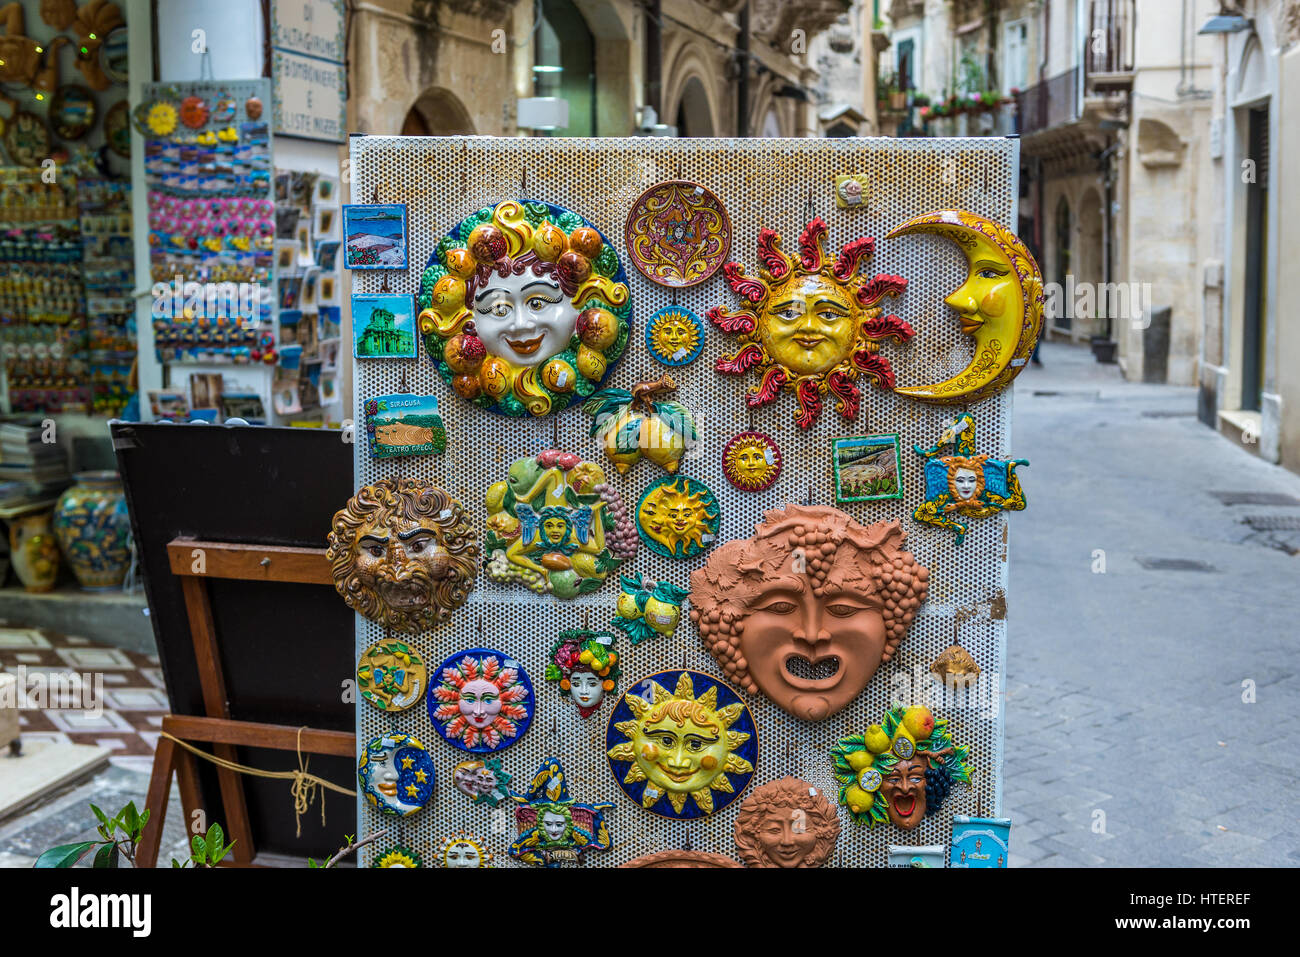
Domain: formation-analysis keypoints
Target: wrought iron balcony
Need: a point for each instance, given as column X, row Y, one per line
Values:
column 1053, row 102
column 1108, row 51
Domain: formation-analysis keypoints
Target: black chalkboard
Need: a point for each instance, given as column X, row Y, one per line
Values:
column 287, row 648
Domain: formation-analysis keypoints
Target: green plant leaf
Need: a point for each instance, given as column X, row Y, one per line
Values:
column 106, row 857
column 216, row 840
column 198, row 846
column 103, row 818
column 65, row 855
column 132, row 818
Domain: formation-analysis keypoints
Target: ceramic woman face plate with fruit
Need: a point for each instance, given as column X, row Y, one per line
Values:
column 524, row 307
column 585, row 666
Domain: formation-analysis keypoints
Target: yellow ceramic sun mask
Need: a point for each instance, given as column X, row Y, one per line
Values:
column 809, row 326
column 673, row 336
column 681, row 745
column 678, row 517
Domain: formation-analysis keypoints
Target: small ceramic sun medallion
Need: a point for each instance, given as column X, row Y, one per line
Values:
column 396, row 774
column 397, row 856
column 674, row 336
column 678, row 233
column 751, row 461
column 683, row 753
column 464, row 850
column 678, row 517
column 481, row 700
column 392, row 676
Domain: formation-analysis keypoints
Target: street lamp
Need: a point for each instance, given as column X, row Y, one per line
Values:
column 1226, row 23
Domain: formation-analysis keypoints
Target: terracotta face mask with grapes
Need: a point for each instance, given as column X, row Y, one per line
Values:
column 808, row 609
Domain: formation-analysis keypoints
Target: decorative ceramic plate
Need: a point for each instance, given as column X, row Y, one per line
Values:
column 392, row 676
column 674, row 336
column 72, row 112
column 751, row 461
column 27, row 139
column 481, row 700
column 396, row 774
column 194, row 111
column 678, row 233
column 678, row 517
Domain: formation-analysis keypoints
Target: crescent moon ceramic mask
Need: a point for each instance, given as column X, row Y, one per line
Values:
column 403, row 554
column 1000, row 305
column 524, row 307
column 396, row 774
column 962, row 486
column 900, row 770
column 806, row 610
column 810, row 324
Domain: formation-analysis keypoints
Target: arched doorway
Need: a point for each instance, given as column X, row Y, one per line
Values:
column 437, row 112
column 564, row 64
column 694, row 117
column 771, row 124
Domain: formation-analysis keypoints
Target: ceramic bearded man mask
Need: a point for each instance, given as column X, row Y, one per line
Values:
column 403, row 554
column 807, row 609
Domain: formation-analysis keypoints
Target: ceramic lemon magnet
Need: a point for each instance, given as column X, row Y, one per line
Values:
column 685, row 753
column 585, row 665
column 640, row 423
column 674, row 336
column 555, row 829
column 392, row 676
column 396, row 774
column 482, row 700
column 751, row 461
column 963, row 485
column 900, row 770
column 678, row 517
column 647, row 608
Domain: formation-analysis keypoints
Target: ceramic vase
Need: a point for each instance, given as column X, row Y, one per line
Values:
column 94, row 530
column 33, row 550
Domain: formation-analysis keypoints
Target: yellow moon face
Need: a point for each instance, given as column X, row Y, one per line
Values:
column 809, row 326
column 1000, row 304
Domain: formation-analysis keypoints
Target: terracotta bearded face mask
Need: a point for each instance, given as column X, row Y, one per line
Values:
column 807, row 609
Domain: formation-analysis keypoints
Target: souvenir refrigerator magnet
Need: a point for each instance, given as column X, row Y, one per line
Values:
column 392, row 676
column 678, row 233
column 678, row 517
column 751, row 461
column 810, row 324
column 404, row 424
column 403, row 554
column 642, row 423
column 374, row 236
column 482, row 780
column 396, row 774
column 556, row 526
column 683, row 753
column 584, row 665
column 383, row 325
column 463, row 849
column 762, row 604
column 964, row 486
column 648, row 608
column 674, row 336
column 925, row 855
column 553, row 827
column 481, row 700
column 866, row 468
column 980, row 841
column 786, row 823
column 524, row 308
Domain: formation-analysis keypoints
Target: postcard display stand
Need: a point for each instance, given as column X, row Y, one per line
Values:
column 775, row 183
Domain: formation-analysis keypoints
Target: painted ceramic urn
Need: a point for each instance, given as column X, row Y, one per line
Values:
column 94, row 530
column 33, row 551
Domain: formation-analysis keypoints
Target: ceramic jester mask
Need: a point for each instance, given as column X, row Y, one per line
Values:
column 554, row 828
column 963, row 485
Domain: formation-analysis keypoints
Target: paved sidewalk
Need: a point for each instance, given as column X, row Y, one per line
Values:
column 1131, row 736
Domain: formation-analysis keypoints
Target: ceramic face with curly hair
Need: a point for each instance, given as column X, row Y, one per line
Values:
column 524, row 308
column 403, row 554
column 786, row 823
column 807, row 609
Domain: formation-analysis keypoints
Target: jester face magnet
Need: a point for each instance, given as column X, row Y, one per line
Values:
column 396, row 774
column 392, row 676
column 674, row 336
column 481, row 701
column 585, row 666
column 524, row 307
column 684, row 753
column 555, row 525
column 555, row 829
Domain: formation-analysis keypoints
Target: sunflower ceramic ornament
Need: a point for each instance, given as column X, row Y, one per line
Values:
column 397, row 856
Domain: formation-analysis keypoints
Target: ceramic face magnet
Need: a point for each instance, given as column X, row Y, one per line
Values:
column 1000, row 305
column 555, row 525
column 392, row 676
column 524, row 308
column 899, row 770
column 685, row 753
column 678, row 233
column 403, row 554
column 555, row 829
column 647, row 608
column 585, row 665
column 811, row 325
column 674, row 336
column 786, row 823
column 396, row 774
column 678, row 517
column 964, row 485
column 464, row 850
column 638, row 423
column 484, row 781
column 482, row 701
column 751, row 461
column 807, row 609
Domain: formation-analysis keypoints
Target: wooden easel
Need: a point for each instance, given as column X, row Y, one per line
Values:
column 193, row 561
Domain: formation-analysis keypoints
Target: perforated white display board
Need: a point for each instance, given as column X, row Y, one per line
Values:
column 776, row 183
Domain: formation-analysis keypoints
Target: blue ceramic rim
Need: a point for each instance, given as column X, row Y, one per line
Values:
column 431, row 699
column 699, row 343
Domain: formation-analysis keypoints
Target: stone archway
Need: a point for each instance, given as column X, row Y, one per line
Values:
column 437, row 112
column 694, row 113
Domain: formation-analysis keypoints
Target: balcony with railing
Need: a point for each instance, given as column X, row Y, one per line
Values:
column 1108, row 52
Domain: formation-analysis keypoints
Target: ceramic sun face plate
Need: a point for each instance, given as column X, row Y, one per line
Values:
column 682, row 744
column 481, row 700
column 678, row 517
column 678, row 233
column 674, row 336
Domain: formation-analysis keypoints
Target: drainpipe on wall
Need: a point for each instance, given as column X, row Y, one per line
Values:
column 654, row 57
column 742, row 84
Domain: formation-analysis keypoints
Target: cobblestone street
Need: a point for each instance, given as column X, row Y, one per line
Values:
column 1145, row 705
